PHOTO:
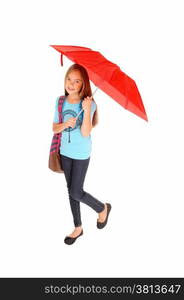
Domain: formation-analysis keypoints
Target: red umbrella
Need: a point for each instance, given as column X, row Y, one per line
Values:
column 107, row 76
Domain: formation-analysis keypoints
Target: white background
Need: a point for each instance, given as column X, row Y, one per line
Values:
column 135, row 165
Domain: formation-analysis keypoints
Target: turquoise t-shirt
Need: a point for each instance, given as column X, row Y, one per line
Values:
column 79, row 147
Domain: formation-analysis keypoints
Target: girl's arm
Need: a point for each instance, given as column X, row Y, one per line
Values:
column 86, row 123
column 56, row 128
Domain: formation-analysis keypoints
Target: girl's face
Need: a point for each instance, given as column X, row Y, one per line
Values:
column 73, row 83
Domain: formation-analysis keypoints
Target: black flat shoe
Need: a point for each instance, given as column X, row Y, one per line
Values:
column 101, row 225
column 70, row 240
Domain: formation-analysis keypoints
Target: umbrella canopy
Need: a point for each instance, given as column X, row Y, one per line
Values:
column 107, row 76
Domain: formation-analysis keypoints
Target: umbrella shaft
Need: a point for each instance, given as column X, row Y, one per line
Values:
column 82, row 108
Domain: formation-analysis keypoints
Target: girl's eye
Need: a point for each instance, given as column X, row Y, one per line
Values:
column 77, row 81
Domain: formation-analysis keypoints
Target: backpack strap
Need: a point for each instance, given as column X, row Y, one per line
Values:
column 60, row 104
column 56, row 139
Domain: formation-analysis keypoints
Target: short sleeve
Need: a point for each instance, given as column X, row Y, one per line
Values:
column 93, row 108
column 56, row 114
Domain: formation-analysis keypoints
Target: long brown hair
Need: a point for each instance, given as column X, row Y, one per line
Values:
column 85, row 89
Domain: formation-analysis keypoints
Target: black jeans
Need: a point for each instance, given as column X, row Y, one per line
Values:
column 75, row 172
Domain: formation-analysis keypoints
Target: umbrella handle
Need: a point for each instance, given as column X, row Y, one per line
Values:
column 77, row 118
column 69, row 135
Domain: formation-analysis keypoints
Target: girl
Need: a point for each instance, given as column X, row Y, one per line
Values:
column 75, row 146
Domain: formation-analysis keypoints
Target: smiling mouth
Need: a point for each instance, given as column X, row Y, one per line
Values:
column 71, row 89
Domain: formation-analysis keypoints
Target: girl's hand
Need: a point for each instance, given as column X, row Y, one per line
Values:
column 86, row 103
column 70, row 122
